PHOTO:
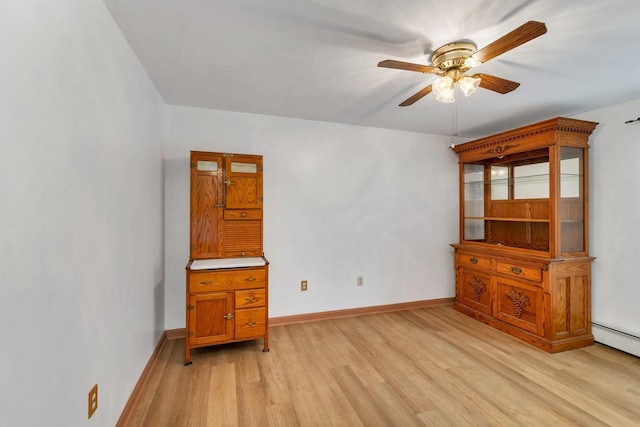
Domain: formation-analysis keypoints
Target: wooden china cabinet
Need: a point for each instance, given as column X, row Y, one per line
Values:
column 227, row 274
column 522, row 263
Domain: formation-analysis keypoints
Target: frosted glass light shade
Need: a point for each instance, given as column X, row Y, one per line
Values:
column 443, row 89
column 468, row 85
column 447, row 96
column 442, row 84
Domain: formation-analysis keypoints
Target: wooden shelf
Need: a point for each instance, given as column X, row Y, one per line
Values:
column 490, row 218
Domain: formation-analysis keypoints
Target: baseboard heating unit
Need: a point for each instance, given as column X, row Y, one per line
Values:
column 616, row 338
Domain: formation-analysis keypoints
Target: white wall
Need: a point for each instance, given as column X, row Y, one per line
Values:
column 340, row 202
column 81, row 199
column 614, row 222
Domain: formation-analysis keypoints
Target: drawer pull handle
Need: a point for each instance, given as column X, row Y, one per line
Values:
column 250, row 324
column 243, row 214
column 516, row 270
column 208, row 282
column 250, row 279
column 252, row 299
column 473, row 260
column 228, row 316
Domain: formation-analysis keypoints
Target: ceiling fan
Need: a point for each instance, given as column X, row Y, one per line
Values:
column 451, row 61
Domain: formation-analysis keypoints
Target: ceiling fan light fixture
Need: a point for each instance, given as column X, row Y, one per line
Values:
column 468, row 84
column 453, row 60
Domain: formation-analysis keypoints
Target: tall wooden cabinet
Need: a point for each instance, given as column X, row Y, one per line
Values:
column 227, row 274
column 522, row 263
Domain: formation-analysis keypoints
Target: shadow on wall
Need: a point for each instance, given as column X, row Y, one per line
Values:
column 158, row 308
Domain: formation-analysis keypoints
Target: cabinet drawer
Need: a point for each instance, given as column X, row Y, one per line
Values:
column 243, row 214
column 519, row 271
column 475, row 261
column 209, row 281
column 250, row 298
column 250, row 323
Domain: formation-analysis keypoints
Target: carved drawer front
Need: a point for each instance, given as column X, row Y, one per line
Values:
column 475, row 261
column 243, row 214
column 519, row 271
column 226, row 280
column 250, row 298
column 250, row 323
column 475, row 290
column 519, row 304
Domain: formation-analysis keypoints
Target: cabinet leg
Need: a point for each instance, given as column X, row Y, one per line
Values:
column 266, row 344
column 187, row 353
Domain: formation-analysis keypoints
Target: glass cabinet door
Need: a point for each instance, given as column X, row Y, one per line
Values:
column 572, row 224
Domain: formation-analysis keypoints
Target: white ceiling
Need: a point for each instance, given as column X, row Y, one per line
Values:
column 316, row 59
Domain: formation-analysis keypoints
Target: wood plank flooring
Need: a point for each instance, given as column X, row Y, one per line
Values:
column 430, row 366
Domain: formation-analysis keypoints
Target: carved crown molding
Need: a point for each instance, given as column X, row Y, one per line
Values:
column 558, row 124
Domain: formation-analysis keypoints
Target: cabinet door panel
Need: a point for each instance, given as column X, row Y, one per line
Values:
column 243, row 182
column 206, row 206
column 475, row 290
column 207, row 323
column 571, row 299
column 519, row 304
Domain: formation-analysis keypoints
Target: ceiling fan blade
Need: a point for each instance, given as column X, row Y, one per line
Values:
column 496, row 84
column 417, row 96
column 390, row 63
column 515, row 38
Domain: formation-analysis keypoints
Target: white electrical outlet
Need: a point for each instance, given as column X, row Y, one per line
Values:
column 360, row 281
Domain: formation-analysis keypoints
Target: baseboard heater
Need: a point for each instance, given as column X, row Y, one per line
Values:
column 616, row 338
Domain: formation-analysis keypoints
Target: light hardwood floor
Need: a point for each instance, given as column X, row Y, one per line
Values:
column 430, row 366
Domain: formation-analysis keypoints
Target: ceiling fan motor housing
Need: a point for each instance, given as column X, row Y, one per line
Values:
column 453, row 56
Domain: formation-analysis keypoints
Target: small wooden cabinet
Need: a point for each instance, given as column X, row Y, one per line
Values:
column 227, row 300
column 522, row 263
column 227, row 274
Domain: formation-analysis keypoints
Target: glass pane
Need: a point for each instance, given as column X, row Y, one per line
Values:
column 244, row 167
column 499, row 182
column 570, row 176
column 473, row 190
column 531, row 181
column 473, row 201
column 207, row 166
column 473, row 229
column 571, row 200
